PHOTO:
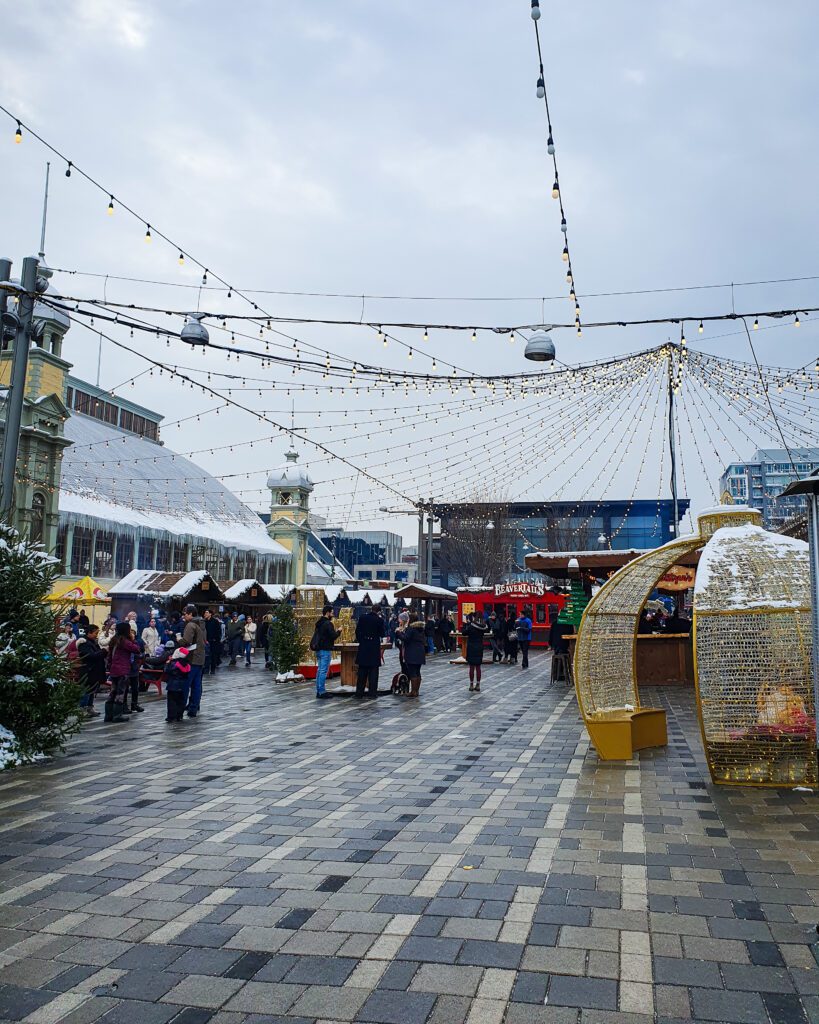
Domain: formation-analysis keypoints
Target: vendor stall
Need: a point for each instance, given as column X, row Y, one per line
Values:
column 144, row 590
column 504, row 598
column 84, row 595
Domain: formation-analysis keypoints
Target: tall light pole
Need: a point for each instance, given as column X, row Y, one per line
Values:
column 417, row 511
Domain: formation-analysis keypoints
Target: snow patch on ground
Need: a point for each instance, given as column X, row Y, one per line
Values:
column 289, row 677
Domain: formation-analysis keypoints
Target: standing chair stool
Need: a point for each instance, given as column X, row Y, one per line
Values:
column 562, row 669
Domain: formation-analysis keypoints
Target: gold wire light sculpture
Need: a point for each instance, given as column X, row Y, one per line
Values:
column 605, row 661
column 752, row 647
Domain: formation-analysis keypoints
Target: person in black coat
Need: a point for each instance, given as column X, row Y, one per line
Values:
column 510, row 647
column 497, row 624
column 91, row 668
column 474, row 629
column 368, row 633
column 414, row 649
column 213, row 634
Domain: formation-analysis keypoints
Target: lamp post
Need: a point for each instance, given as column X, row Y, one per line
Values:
column 418, row 511
column 809, row 486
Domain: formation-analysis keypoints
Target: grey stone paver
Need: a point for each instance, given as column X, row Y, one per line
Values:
column 452, row 859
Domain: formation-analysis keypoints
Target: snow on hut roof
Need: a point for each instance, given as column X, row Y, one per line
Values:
column 164, row 584
column 233, row 591
column 124, row 479
column 748, row 567
column 423, row 590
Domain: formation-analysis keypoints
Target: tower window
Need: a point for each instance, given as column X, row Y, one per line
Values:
column 284, row 498
column 38, row 513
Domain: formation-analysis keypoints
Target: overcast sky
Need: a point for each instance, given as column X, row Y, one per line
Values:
column 398, row 148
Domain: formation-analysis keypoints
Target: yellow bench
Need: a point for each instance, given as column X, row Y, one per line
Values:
column 617, row 734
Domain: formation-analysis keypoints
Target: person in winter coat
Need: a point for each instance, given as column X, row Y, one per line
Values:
column 91, row 668
column 106, row 634
column 120, row 651
column 368, row 633
column 429, row 632
column 194, row 639
column 324, row 636
column 510, row 646
column 447, row 627
column 177, row 683
column 213, row 632
column 523, row 629
column 262, row 634
column 234, row 632
column 150, row 637
column 413, row 649
column 249, row 637
column 474, row 629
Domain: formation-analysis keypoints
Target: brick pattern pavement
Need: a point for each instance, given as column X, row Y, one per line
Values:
column 462, row 858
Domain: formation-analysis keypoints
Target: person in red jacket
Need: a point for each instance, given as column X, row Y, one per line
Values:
column 120, row 650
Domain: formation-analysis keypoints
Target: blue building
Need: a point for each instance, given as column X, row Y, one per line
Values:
column 571, row 526
column 761, row 481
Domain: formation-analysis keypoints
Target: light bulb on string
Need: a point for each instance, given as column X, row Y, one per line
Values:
column 565, row 254
column 756, row 323
column 205, row 281
column 535, row 10
column 18, row 135
column 555, row 189
column 68, row 169
column 512, row 338
column 700, row 329
column 110, row 206
column 541, row 88
column 564, row 226
column 796, row 321
column 550, row 145
column 426, row 334
column 569, row 278
column 409, row 356
column 147, row 232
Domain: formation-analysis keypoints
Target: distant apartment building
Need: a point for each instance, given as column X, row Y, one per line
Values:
column 760, row 482
column 395, row 572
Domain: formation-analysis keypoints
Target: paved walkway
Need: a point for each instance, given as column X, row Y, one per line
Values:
column 458, row 858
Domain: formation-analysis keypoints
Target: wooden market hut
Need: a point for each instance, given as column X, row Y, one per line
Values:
column 143, row 590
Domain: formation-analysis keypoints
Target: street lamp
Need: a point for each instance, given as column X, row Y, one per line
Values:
column 540, row 347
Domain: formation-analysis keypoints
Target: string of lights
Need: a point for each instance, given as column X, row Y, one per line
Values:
column 551, row 149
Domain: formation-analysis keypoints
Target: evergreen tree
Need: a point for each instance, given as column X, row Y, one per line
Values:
column 284, row 642
column 38, row 699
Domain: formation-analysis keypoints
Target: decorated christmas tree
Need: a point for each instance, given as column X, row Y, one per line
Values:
column 284, row 642
column 38, row 699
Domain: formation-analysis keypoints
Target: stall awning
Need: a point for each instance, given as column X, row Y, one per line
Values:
column 422, row 592
column 85, row 591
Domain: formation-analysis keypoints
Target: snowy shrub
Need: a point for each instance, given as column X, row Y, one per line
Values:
column 38, row 699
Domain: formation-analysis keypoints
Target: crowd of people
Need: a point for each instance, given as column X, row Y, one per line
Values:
column 181, row 647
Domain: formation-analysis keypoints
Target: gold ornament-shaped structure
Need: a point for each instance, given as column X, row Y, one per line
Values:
column 752, row 644
column 605, row 661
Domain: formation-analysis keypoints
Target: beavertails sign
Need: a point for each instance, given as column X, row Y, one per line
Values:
column 520, row 589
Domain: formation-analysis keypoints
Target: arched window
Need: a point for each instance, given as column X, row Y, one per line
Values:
column 38, row 514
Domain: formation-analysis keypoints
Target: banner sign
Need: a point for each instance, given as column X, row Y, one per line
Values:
column 520, row 589
column 678, row 577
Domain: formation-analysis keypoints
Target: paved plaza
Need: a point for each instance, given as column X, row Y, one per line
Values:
column 458, row 858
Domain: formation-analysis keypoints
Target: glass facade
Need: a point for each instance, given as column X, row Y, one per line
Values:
column 760, row 482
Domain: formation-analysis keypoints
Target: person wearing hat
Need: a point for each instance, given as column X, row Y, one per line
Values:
column 194, row 639
column 177, row 683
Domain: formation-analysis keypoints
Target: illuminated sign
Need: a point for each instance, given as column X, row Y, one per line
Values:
column 520, row 589
column 678, row 577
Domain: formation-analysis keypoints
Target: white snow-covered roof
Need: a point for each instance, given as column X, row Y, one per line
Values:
column 187, row 583
column 135, row 485
column 375, row 596
column 290, row 474
column 332, row 593
column 425, row 590
column 242, row 586
column 748, row 567
column 161, row 584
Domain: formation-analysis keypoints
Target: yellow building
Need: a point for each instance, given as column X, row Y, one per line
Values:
column 291, row 486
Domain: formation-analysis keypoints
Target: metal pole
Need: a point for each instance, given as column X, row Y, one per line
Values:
column 5, row 274
column 419, row 574
column 19, row 367
column 672, row 446
column 430, row 521
column 813, row 537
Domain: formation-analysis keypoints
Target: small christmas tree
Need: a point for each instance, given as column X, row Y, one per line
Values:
column 284, row 642
column 38, row 700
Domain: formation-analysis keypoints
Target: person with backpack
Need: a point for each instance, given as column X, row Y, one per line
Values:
column 321, row 643
column 177, row 683
column 120, row 651
column 474, row 629
column 523, row 630
column 91, row 660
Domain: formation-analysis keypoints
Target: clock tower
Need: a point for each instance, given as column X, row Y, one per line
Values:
column 290, row 488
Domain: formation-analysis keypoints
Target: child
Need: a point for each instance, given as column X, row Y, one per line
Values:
column 177, row 681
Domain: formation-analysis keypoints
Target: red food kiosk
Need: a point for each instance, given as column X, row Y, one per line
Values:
column 506, row 597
